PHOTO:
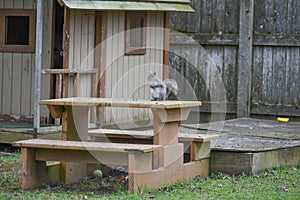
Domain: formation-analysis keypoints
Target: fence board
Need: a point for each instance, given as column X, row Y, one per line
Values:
column 292, row 90
column 230, row 72
column 257, row 74
column 279, row 80
column 194, row 19
column 218, row 16
column 206, row 16
column 275, row 52
column 231, row 18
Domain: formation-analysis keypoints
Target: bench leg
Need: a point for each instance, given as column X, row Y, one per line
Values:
column 34, row 173
column 138, row 163
column 200, row 150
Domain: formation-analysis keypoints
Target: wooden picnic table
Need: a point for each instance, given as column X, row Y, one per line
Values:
column 167, row 163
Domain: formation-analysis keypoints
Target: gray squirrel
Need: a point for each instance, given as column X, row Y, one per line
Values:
column 162, row 90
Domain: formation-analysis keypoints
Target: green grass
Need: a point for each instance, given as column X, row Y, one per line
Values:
column 278, row 184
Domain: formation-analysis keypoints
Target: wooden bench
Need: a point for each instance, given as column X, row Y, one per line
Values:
column 197, row 146
column 35, row 153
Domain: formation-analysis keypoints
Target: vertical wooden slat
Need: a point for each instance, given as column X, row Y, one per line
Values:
column 194, row 19
column 293, row 16
column 280, row 16
column 29, row 4
column 218, row 16
column 85, row 84
column 9, row 4
column 267, row 74
column 231, row 16
column 269, row 20
column 229, row 73
column 279, row 80
column 1, row 79
column 292, row 96
column 257, row 74
column 245, row 58
column 16, row 97
column 206, row 16
column 18, row 4
column 7, row 83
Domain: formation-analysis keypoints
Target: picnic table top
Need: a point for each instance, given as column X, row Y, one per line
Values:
column 112, row 102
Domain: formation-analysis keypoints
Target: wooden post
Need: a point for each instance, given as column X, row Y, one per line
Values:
column 38, row 67
column 66, row 46
column 245, row 58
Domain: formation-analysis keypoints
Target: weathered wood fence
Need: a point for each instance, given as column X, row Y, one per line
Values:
column 255, row 45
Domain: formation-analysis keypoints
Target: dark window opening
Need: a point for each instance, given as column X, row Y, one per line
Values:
column 135, row 33
column 17, row 30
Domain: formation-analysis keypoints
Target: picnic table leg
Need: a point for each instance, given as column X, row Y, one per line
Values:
column 166, row 125
column 74, row 127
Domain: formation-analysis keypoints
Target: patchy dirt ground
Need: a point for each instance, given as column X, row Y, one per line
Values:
column 10, row 180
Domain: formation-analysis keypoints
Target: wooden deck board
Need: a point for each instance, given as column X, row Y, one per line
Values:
column 253, row 127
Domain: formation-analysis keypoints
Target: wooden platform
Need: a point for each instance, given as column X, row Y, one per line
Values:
column 251, row 145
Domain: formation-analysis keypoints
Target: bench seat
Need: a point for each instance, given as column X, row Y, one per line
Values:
column 86, row 146
column 115, row 133
column 35, row 152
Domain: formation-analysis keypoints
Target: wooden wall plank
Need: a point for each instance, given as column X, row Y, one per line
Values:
column 26, row 87
column 16, row 83
column 7, row 82
column 9, row 4
column 85, row 80
column 29, row 4
column 1, row 80
column 18, row 4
